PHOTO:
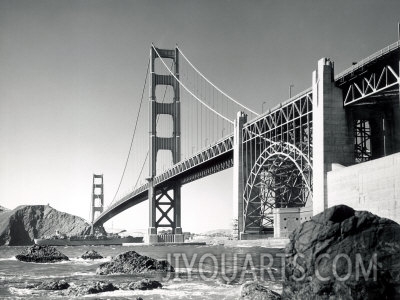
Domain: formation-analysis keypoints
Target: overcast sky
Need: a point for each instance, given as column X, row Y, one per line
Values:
column 71, row 74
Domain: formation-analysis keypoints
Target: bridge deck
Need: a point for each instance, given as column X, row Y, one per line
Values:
column 218, row 156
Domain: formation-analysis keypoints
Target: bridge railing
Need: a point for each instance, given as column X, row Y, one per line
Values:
column 278, row 107
column 124, row 198
column 220, row 147
column 368, row 59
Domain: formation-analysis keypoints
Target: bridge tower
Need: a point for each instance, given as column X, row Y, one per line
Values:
column 97, row 195
column 161, row 201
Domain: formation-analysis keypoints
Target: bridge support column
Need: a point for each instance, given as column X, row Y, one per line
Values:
column 165, row 209
column 238, row 175
column 97, row 197
column 333, row 140
column 152, row 231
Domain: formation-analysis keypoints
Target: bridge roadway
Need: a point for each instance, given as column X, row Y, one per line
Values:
column 219, row 156
column 210, row 160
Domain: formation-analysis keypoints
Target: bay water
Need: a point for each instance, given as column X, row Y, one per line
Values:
column 201, row 272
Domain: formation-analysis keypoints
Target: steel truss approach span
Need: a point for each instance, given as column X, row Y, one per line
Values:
column 277, row 162
column 373, row 79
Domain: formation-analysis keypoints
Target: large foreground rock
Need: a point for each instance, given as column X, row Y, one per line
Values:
column 131, row 262
column 256, row 291
column 325, row 256
column 41, row 254
column 20, row 226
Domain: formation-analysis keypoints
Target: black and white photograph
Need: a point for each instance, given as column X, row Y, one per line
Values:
column 200, row 149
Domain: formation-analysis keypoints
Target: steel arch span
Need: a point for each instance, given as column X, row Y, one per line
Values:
column 280, row 177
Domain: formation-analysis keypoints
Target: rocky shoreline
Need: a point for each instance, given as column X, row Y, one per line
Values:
column 338, row 254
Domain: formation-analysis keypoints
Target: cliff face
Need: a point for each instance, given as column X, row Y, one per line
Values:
column 21, row 225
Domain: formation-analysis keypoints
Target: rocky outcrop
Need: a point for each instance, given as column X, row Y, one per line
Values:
column 91, row 254
column 41, row 254
column 256, row 291
column 53, row 285
column 131, row 262
column 91, row 288
column 343, row 254
column 145, row 284
column 25, row 223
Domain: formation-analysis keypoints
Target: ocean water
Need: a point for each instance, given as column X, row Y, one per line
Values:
column 202, row 272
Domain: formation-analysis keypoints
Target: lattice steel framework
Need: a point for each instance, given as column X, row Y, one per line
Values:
column 277, row 150
column 373, row 79
column 362, row 141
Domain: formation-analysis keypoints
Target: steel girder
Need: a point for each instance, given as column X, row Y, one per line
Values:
column 193, row 165
column 221, row 147
column 277, row 161
column 362, row 141
column 374, row 78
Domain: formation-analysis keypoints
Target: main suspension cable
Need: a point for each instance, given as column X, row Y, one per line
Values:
column 147, row 154
column 198, row 99
column 217, row 88
column 134, row 132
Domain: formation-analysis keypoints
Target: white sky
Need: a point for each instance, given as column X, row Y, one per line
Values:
column 71, row 74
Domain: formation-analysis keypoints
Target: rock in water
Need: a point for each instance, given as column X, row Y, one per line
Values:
column 20, row 226
column 131, row 262
column 41, row 254
column 91, row 254
column 145, row 284
column 91, row 288
column 343, row 254
column 256, row 291
column 53, row 285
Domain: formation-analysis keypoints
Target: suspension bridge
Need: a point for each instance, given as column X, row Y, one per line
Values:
column 280, row 159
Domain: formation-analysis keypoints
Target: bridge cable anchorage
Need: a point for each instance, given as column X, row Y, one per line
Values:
column 134, row 132
column 216, row 87
column 197, row 98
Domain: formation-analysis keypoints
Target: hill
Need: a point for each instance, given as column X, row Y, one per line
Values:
column 2, row 209
column 24, row 223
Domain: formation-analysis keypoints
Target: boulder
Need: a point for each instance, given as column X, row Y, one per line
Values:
column 131, row 262
column 53, row 285
column 343, row 254
column 91, row 254
column 41, row 254
column 91, row 288
column 145, row 284
column 20, row 226
column 256, row 291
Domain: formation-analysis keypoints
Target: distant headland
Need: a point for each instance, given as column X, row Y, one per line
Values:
column 23, row 224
